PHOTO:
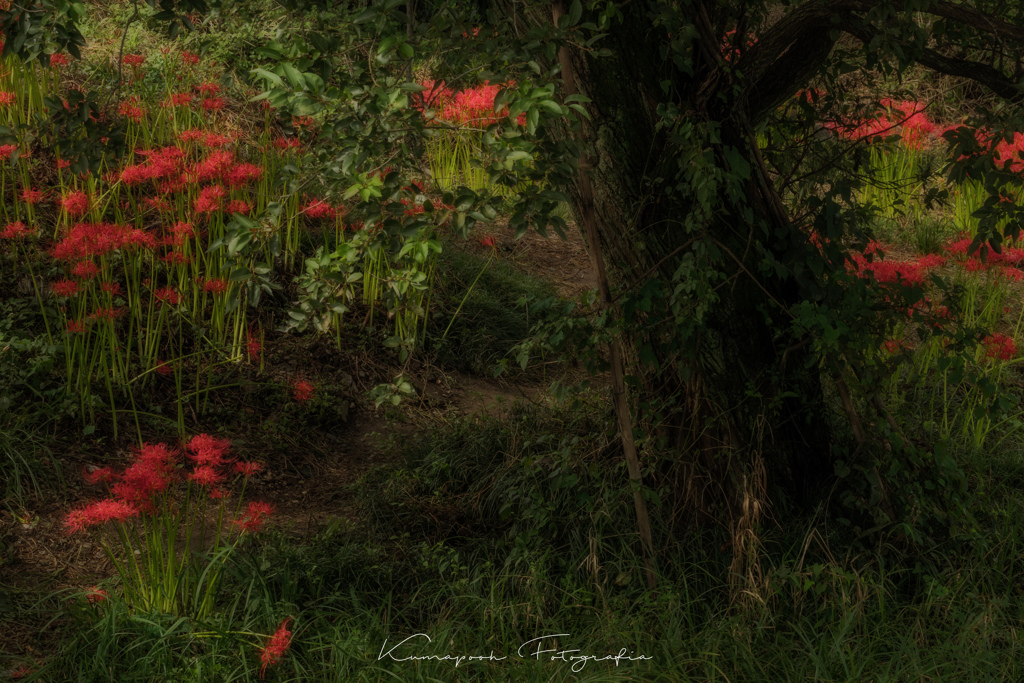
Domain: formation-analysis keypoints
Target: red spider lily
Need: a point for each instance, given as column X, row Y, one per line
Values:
column 1009, row 153
column 181, row 99
column 111, row 288
column 473, row 106
column 931, row 261
column 214, row 140
column 181, row 233
column 287, row 143
column 17, row 230
column 214, row 167
column 213, row 103
column 148, row 476
column 31, row 196
column 1011, row 274
column 239, row 206
column 910, row 272
column 65, row 288
column 317, row 208
column 894, row 346
column 7, row 150
column 302, row 391
column 306, row 122
column 75, row 203
column 167, row 295
column 171, row 185
column 59, row 59
column 218, row 493
column 100, row 512
column 243, row 174
column 158, row 203
column 96, row 595
column 76, row 327
column 254, row 517
column 191, row 135
column 252, row 345
column 130, row 109
column 276, row 647
column 488, row 241
column 164, row 162
column 247, row 469
column 7, row 99
column 136, row 175
column 189, row 58
column 62, row 164
column 158, row 455
column 209, row 88
column 215, row 286
column 413, row 209
column 140, row 239
column 99, row 475
column 210, row 199
column 85, row 270
column 206, row 475
column 1010, row 254
column 999, row 346
column 208, row 450
column 177, row 258
column 165, row 369
column 134, row 61
column 914, row 125
column 108, row 314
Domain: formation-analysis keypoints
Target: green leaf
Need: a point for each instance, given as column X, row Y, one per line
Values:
column 386, row 44
column 551, row 106
column 575, row 12
column 293, row 75
column 581, row 110
column 238, row 275
column 366, row 16
column 532, row 119
column 739, row 165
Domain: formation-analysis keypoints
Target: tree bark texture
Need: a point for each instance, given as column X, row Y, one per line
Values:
column 741, row 400
column 736, row 404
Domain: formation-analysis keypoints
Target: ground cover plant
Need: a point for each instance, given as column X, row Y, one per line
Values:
column 260, row 268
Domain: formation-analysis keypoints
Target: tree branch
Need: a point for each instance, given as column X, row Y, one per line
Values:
column 951, row 66
column 791, row 51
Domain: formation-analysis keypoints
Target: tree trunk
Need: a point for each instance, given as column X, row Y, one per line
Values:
column 748, row 409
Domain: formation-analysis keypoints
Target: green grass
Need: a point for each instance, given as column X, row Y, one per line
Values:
column 471, row 540
column 490, row 321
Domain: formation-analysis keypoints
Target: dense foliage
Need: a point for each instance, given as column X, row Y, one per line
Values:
column 809, row 215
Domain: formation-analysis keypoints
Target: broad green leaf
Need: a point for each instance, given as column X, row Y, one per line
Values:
column 293, row 75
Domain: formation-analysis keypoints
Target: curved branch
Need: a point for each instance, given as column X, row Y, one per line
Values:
column 790, row 72
column 984, row 74
column 791, row 51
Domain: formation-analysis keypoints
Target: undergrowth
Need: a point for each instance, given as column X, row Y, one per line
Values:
column 488, row 534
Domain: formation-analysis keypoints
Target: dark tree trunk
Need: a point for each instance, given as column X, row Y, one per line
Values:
column 748, row 399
